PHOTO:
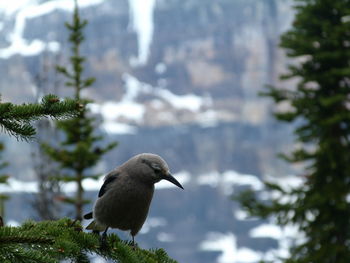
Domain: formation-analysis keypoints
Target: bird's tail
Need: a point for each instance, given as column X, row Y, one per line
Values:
column 95, row 227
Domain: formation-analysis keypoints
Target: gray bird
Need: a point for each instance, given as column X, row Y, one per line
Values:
column 125, row 196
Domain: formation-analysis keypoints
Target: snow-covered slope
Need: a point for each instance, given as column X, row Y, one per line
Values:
column 20, row 12
column 125, row 115
column 141, row 13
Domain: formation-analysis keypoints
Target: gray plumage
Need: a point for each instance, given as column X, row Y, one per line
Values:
column 125, row 197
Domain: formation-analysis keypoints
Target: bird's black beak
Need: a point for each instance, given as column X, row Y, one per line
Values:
column 172, row 179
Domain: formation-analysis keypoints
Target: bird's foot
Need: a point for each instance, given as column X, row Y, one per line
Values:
column 133, row 244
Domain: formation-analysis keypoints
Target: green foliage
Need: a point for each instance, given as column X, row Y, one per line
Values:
column 53, row 241
column 17, row 119
column 320, row 36
column 3, row 180
column 78, row 152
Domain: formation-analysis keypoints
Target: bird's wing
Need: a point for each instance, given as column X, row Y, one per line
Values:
column 88, row 216
column 94, row 226
column 109, row 179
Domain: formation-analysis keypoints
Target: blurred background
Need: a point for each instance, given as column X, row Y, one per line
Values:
column 176, row 78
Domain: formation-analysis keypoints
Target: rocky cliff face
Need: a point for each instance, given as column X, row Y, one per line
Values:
column 222, row 50
column 161, row 65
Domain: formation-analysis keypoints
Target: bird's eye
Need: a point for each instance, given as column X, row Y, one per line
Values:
column 156, row 167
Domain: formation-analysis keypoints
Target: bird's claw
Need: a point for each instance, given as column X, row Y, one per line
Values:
column 133, row 244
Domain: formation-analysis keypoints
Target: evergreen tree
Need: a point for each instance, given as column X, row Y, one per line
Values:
column 55, row 241
column 320, row 37
column 78, row 152
column 3, row 180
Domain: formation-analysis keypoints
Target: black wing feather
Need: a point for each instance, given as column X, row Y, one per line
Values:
column 109, row 180
column 88, row 216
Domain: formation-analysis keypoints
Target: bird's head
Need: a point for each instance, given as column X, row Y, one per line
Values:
column 153, row 169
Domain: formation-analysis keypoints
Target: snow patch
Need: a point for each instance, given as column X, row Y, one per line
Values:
column 8, row 8
column 134, row 87
column 183, row 178
column 141, row 13
column 348, row 198
column 208, row 119
column 29, row 9
column 129, row 109
column 14, row 185
column 13, row 223
column 190, row 101
column 232, row 177
column 160, row 68
column 266, row 231
column 165, row 237
column 98, row 259
column 152, row 222
column 288, row 182
column 110, row 112
column 243, row 215
column 157, row 104
column 212, row 179
column 227, row 180
column 125, row 108
column 286, row 237
column 230, row 253
column 22, row 47
column 119, row 128
column 345, row 19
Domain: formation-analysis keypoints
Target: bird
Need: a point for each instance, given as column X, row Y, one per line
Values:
column 125, row 196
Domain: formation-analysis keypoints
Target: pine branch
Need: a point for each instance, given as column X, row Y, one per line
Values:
column 3, row 180
column 17, row 119
column 11, row 235
column 18, row 254
column 64, row 240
